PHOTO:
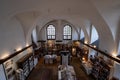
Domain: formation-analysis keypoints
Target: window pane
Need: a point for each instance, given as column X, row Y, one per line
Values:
column 49, row 37
column 67, row 31
column 65, row 37
column 51, row 31
column 69, row 37
column 53, row 37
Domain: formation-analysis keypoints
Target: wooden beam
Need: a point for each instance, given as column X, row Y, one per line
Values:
column 58, row 40
column 41, row 41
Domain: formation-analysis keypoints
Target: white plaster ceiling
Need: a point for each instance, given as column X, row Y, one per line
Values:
column 110, row 11
column 38, row 12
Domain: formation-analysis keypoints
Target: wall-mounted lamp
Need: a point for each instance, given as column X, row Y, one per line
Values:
column 86, row 52
column 94, row 46
column 27, row 44
column 83, row 59
column 86, row 42
column 5, row 55
column 73, row 49
column 19, row 49
column 50, row 45
column 114, row 54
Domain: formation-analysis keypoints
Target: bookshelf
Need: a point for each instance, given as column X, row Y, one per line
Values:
column 9, row 70
column 101, row 70
column 26, row 63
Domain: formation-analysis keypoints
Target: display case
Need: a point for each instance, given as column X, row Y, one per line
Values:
column 26, row 63
column 101, row 70
column 31, row 62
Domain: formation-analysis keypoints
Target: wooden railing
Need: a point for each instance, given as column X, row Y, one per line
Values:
column 14, row 54
column 102, row 52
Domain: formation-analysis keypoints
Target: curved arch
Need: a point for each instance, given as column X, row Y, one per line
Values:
column 73, row 10
column 65, row 22
column 42, row 20
column 105, row 37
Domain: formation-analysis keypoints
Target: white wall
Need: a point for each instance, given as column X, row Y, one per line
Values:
column 118, row 49
column 75, row 37
column 117, row 70
column 59, row 24
column 2, row 73
column 94, row 35
column 42, row 34
column 84, row 8
column 12, row 37
column 82, row 34
column 34, row 35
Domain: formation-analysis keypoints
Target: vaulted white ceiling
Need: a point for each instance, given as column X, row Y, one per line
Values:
column 104, row 14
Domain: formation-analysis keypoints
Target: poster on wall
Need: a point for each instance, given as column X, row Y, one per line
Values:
column 10, row 72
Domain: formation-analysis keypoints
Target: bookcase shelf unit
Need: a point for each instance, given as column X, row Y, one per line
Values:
column 26, row 63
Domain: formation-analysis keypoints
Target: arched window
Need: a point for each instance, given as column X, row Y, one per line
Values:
column 50, row 32
column 82, row 35
column 67, row 32
column 94, row 37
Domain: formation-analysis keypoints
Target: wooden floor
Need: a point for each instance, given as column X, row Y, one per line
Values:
column 49, row 71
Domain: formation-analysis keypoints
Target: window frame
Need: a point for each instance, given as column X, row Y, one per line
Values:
column 50, row 35
column 67, row 34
